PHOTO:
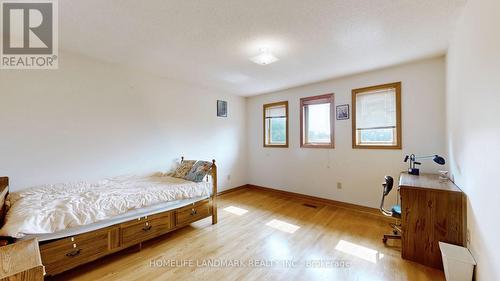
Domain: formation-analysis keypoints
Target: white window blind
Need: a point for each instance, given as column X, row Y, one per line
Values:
column 376, row 110
column 273, row 112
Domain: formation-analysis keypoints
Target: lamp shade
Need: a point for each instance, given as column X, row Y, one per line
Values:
column 439, row 160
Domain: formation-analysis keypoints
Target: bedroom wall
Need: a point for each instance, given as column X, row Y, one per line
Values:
column 90, row 120
column 360, row 171
column 473, row 101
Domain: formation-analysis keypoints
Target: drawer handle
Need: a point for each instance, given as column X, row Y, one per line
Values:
column 147, row 228
column 74, row 253
column 193, row 212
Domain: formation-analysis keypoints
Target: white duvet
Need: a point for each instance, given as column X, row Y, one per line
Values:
column 52, row 208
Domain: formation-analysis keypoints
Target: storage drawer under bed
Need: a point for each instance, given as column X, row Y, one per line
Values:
column 192, row 212
column 64, row 254
column 145, row 228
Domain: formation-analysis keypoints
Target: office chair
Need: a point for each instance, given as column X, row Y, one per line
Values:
column 395, row 211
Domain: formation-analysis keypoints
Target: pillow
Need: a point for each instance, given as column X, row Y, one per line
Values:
column 183, row 168
column 198, row 171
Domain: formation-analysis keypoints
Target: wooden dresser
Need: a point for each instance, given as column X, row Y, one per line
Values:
column 433, row 210
column 21, row 262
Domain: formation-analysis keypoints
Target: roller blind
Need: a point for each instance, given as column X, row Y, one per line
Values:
column 273, row 112
column 376, row 110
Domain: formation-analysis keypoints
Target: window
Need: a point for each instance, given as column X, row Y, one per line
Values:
column 376, row 118
column 316, row 121
column 276, row 124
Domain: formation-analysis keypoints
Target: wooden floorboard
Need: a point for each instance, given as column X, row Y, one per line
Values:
column 306, row 243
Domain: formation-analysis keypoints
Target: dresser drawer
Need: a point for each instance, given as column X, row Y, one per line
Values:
column 70, row 252
column 146, row 228
column 192, row 213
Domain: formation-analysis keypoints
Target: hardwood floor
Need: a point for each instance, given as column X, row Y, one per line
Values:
column 274, row 238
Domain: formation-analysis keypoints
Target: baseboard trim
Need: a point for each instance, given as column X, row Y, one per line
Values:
column 319, row 200
column 308, row 199
column 231, row 190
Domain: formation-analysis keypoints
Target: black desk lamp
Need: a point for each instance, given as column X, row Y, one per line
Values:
column 412, row 170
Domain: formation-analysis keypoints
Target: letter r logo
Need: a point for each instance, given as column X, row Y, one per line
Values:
column 27, row 28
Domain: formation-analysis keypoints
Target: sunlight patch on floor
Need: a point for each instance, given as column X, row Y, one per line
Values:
column 277, row 248
column 235, row 210
column 283, row 226
column 359, row 251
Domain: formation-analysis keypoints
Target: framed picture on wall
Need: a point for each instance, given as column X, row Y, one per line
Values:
column 343, row 112
column 221, row 108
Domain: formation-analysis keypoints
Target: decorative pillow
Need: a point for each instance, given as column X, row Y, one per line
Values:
column 199, row 171
column 183, row 168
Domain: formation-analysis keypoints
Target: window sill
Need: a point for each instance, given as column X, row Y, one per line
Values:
column 276, row 146
column 370, row 146
column 310, row 145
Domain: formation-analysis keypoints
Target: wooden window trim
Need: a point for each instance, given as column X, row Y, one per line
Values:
column 318, row 100
column 399, row 131
column 265, row 106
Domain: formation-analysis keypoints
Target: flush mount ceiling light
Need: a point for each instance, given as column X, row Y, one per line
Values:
column 265, row 57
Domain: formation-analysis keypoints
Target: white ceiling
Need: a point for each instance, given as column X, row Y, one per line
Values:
column 209, row 42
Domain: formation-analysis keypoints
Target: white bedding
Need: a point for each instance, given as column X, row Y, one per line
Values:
column 130, row 215
column 53, row 208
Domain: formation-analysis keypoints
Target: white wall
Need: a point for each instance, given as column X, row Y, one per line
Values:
column 90, row 120
column 361, row 171
column 473, row 107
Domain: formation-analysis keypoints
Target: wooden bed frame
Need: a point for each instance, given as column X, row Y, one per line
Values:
column 66, row 253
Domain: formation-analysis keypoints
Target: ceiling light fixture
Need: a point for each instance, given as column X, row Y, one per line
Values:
column 265, row 57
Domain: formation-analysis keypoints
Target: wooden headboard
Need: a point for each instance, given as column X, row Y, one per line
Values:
column 4, row 189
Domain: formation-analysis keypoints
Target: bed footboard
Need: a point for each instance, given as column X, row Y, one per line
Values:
column 213, row 174
column 214, row 192
column 4, row 190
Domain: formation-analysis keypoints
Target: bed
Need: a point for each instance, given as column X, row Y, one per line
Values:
column 79, row 223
